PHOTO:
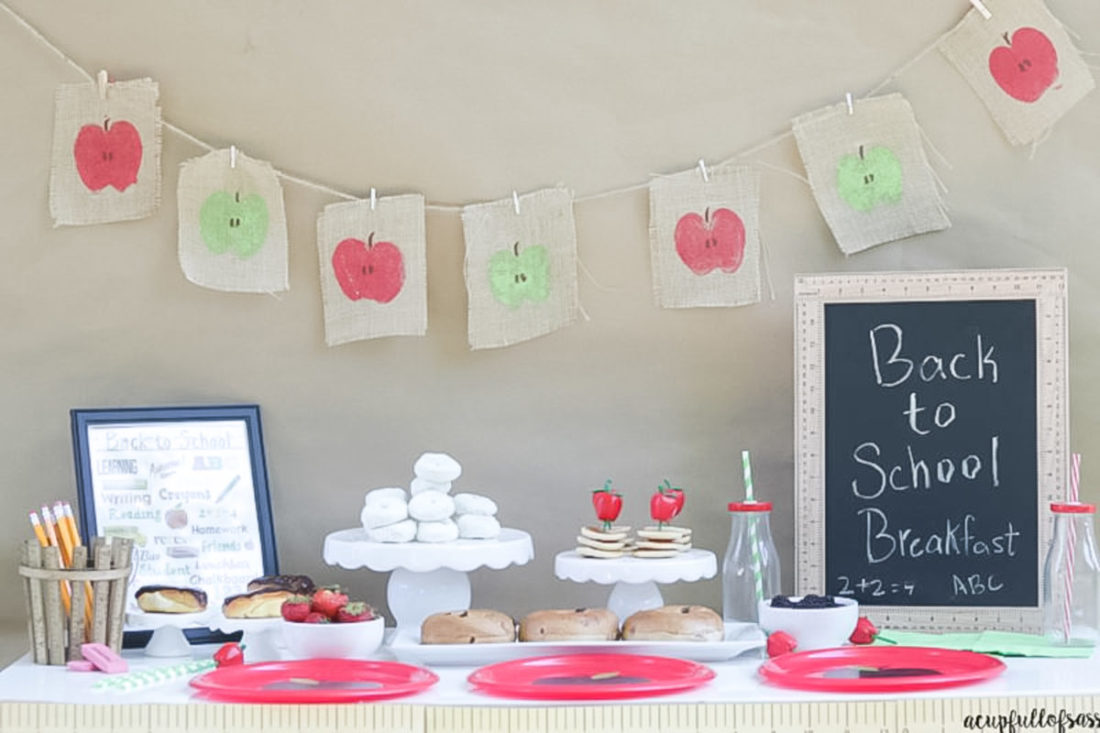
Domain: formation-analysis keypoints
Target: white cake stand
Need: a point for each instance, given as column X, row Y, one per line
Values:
column 426, row 577
column 168, row 639
column 635, row 578
column 261, row 638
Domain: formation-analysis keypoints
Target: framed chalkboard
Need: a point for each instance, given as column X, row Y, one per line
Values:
column 189, row 486
column 931, row 436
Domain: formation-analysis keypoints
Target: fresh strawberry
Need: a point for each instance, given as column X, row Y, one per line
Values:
column 316, row 617
column 328, row 601
column 296, row 608
column 865, row 632
column 780, row 642
column 354, row 611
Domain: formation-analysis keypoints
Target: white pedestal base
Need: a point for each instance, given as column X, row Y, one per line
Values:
column 413, row 596
column 168, row 641
column 635, row 579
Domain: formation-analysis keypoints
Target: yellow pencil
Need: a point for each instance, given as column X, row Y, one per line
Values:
column 74, row 530
column 51, row 535
column 38, row 531
column 64, row 537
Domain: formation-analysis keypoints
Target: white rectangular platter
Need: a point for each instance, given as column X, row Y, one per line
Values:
column 406, row 647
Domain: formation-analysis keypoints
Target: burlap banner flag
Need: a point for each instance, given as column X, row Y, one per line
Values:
column 869, row 173
column 704, row 238
column 1022, row 65
column 232, row 226
column 374, row 279
column 106, row 152
column 521, row 267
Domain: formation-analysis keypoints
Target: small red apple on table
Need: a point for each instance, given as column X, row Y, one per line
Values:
column 608, row 504
column 780, row 643
column 229, row 655
column 1026, row 66
column 864, row 633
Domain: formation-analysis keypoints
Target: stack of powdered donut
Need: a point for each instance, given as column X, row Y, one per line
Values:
column 430, row 514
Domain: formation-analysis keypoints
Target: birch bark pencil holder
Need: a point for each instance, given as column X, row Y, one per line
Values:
column 97, row 582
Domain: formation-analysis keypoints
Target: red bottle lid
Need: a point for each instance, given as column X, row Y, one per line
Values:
column 750, row 506
column 1072, row 508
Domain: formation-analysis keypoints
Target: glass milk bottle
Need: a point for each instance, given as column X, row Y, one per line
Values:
column 1071, row 578
column 750, row 569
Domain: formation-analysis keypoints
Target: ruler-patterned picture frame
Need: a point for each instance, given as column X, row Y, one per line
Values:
column 840, row 295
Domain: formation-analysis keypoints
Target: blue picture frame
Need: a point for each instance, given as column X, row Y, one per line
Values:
column 235, row 436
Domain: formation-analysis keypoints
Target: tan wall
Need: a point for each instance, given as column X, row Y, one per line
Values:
column 464, row 102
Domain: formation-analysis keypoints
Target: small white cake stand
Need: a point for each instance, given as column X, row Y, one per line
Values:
column 426, row 577
column 261, row 639
column 168, row 639
column 635, row 578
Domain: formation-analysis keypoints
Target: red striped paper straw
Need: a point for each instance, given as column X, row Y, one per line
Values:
column 1071, row 542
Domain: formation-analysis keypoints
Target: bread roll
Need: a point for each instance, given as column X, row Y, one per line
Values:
column 170, row 599
column 675, row 623
column 475, row 626
column 256, row 604
column 573, row 624
column 298, row 584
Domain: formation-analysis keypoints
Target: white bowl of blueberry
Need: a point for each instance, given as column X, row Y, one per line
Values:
column 815, row 622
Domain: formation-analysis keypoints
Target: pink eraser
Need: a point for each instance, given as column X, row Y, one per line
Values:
column 81, row 665
column 104, row 658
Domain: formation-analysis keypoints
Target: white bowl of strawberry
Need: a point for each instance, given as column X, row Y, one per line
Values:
column 328, row 624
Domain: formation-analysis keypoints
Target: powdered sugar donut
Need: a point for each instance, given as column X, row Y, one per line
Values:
column 403, row 531
column 444, row 531
column 377, row 494
column 419, row 485
column 477, row 527
column 431, row 506
column 383, row 511
column 475, row 504
column 438, row 468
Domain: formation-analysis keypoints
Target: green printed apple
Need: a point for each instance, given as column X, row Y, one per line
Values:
column 516, row 276
column 233, row 223
column 871, row 178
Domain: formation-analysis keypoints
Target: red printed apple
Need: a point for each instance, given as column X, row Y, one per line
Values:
column 1025, row 67
column 711, row 241
column 666, row 503
column 371, row 270
column 607, row 503
column 108, row 156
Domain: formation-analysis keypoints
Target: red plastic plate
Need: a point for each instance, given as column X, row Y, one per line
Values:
column 590, row 677
column 313, row 681
column 879, row 669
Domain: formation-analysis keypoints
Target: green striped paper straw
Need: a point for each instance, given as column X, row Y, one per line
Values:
column 758, row 578
column 155, row 676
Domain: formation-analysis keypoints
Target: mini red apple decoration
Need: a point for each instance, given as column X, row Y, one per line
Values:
column 607, row 503
column 229, row 655
column 1026, row 66
column 711, row 241
column 780, row 642
column 370, row 270
column 108, row 156
column 666, row 503
column 865, row 632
